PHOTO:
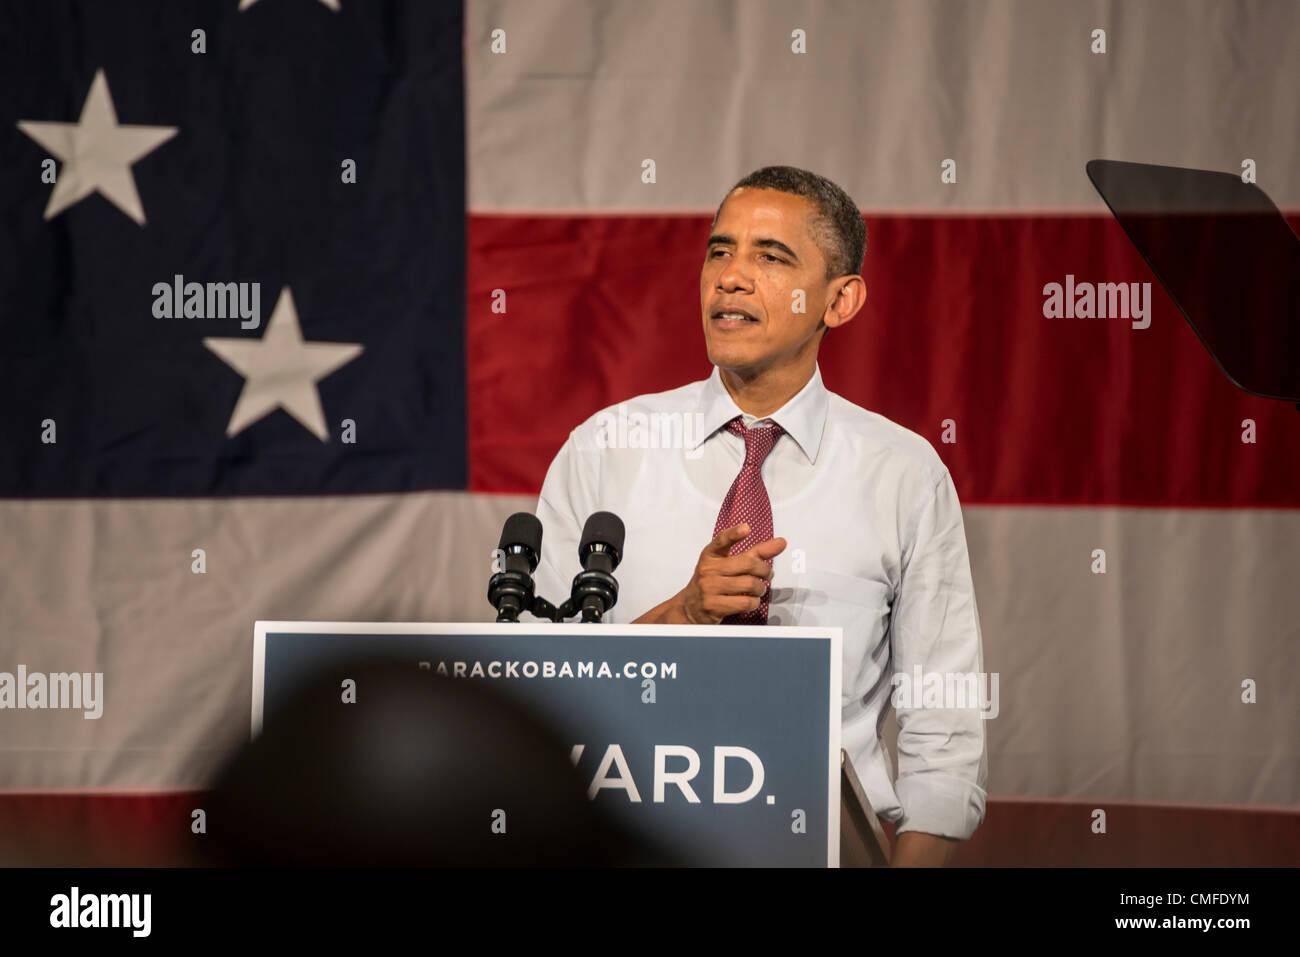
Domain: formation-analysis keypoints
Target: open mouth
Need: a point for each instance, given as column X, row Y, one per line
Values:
column 732, row 316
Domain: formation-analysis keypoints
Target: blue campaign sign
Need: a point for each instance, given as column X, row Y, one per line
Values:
column 722, row 741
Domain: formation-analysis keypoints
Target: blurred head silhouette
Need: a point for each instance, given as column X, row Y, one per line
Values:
column 419, row 771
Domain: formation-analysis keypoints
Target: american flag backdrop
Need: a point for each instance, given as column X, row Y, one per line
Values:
column 471, row 228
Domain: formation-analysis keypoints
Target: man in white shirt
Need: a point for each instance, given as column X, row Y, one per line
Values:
column 871, row 536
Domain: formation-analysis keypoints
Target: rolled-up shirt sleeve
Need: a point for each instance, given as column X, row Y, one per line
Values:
column 942, row 751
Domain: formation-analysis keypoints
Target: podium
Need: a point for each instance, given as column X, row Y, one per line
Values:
column 722, row 743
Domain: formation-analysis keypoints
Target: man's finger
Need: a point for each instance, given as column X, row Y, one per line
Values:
column 746, row 563
column 768, row 549
column 735, row 584
column 724, row 605
column 722, row 542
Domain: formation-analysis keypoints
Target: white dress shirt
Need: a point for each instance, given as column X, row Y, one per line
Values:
column 875, row 545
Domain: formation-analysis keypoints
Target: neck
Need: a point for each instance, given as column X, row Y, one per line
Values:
column 763, row 392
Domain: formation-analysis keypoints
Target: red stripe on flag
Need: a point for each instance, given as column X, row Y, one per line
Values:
column 1050, row 411
column 90, row 830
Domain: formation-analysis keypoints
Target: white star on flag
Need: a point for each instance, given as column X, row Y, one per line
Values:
column 97, row 153
column 245, row 4
column 281, row 370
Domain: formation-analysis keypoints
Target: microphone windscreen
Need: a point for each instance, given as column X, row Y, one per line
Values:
column 522, row 528
column 605, row 528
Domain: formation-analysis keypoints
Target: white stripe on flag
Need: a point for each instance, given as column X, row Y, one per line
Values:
column 1124, row 685
column 887, row 90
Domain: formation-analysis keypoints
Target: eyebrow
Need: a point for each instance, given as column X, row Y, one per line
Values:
column 722, row 239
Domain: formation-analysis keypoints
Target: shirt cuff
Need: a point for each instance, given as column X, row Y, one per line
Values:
column 939, row 803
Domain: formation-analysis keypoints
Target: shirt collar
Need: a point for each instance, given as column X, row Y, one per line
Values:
column 803, row 417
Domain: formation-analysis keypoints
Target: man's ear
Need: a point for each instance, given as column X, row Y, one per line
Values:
column 848, row 295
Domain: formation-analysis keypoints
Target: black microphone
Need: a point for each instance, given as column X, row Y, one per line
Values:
column 594, row 589
column 511, row 590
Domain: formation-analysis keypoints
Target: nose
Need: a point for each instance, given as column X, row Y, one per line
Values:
column 734, row 278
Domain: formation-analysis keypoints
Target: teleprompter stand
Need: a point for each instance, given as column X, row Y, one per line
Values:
column 862, row 840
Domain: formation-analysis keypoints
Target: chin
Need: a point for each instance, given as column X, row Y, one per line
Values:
column 732, row 354
column 732, row 359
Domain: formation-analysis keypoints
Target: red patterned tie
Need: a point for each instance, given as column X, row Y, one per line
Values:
column 747, row 501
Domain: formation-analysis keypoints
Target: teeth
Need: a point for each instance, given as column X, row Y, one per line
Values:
column 732, row 315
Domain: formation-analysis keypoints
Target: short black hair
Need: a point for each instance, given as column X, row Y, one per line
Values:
column 839, row 231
